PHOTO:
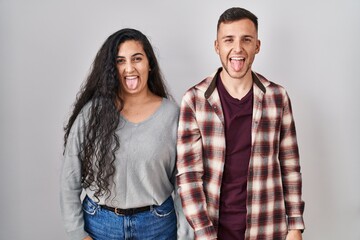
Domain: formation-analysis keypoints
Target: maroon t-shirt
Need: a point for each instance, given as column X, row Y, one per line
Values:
column 238, row 119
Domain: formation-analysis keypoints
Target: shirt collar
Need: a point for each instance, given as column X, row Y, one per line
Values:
column 212, row 85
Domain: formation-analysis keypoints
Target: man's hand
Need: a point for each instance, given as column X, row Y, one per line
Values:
column 88, row 238
column 294, row 235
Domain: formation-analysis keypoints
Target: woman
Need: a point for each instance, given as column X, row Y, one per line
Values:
column 120, row 147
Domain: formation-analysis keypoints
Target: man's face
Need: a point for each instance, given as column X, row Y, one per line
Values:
column 237, row 43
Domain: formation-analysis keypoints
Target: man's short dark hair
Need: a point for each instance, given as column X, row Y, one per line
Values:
column 235, row 14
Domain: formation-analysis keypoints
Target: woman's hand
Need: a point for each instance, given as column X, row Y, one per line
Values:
column 88, row 238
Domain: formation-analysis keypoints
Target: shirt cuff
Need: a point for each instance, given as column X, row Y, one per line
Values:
column 296, row 223
column 206, row 233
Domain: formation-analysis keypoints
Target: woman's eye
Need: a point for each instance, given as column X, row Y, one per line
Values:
column 119, row 61
column 137, row 59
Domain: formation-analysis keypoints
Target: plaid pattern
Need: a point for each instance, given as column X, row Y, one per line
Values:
column 274, row 202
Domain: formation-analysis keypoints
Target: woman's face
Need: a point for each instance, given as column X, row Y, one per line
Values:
column 133, row 68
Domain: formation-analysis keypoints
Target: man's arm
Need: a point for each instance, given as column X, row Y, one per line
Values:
column 290, row 169
column 294, row 235
column 190, row 171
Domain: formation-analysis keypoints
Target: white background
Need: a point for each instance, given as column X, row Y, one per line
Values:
column 47, row 47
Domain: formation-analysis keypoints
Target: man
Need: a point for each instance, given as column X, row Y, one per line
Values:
column 238, row 163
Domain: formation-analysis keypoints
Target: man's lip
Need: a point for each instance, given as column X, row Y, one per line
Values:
column 237, row 58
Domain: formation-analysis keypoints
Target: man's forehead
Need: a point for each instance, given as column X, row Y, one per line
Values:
column 236, row 28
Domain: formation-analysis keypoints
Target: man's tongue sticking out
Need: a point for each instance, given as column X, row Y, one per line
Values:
column 131, row 82
column 237, row 63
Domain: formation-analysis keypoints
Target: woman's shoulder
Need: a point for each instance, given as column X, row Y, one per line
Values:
column 83, row 116
column 170, row 106
column 85, row 111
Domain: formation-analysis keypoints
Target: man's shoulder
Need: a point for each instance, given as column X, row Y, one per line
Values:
column 202, row 85
column 196, row 94
column 270, row 85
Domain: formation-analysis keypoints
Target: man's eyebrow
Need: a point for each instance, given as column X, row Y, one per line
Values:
column 248, row 36
column 244, row 36
column 228, row 36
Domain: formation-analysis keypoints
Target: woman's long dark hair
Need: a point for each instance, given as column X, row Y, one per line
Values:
column 103, row 90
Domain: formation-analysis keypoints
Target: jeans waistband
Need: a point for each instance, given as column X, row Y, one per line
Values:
column 126, row 212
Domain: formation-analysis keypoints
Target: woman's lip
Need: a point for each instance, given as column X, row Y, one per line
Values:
column 131, row 77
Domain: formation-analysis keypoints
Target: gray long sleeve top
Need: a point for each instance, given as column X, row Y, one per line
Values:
column 144, row 165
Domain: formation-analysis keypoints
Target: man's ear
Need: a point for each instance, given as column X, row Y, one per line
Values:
column 216, row 46
column 258, row 44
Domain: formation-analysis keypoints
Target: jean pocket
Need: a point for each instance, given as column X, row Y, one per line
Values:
column 89, row 206
column 164, row 209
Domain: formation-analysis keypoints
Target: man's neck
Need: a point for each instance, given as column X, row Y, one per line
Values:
column 237, row 87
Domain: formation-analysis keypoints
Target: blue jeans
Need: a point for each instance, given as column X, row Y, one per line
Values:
column 159, row 223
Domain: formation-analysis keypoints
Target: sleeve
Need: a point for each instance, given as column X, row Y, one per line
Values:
column 184, row 230
column 190, row 172
column 290, row 169
column 70, row 183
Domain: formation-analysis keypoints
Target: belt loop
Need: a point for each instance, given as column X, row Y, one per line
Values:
column 116, row 211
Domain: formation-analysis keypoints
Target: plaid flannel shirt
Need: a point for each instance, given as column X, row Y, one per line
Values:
column 274, row 183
